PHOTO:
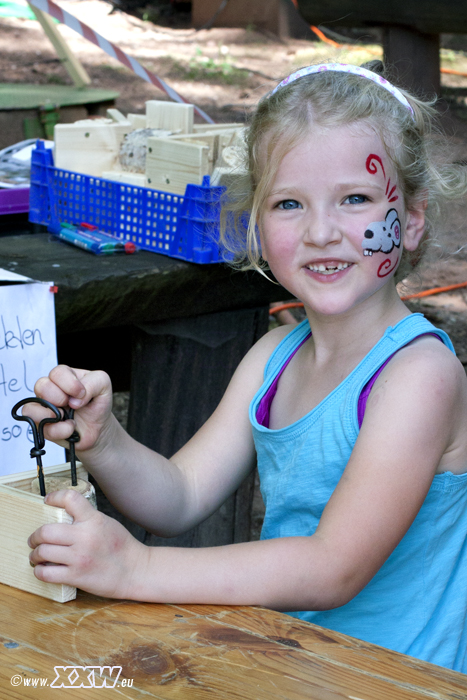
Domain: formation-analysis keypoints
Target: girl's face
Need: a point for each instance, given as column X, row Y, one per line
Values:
column 334, row 224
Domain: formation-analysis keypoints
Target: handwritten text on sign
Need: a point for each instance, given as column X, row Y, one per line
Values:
column 27, row 351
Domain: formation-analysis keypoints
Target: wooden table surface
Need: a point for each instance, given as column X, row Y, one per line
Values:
column 198, row 652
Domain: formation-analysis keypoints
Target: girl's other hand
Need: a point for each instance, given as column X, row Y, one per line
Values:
column 95, row 553
column 88, row 393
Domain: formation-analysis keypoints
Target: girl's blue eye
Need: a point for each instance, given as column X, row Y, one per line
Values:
column 288, row 204
column 356, row 199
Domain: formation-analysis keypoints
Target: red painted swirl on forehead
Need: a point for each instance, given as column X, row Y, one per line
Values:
column 384, row 266
column 371, row 165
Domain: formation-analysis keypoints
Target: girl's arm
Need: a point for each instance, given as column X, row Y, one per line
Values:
column 413, row 418
column 164, row 496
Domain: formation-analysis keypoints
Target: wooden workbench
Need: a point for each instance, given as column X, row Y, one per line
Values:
column 119, row 290
column 410, row 31
column 201, row 652
column 178, row 329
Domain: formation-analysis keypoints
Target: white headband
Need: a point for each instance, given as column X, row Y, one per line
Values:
column 347, row 68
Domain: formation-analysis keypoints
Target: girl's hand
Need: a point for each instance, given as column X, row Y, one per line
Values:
column 95, row 553
column 89, row 393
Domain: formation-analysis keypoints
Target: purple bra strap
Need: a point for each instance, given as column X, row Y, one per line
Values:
column 262, row 412
column 363, row 398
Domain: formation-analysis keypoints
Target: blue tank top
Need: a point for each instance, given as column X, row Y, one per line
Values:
column 417, row 602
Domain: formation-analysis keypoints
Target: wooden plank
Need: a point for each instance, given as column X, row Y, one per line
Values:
column 137, row 121
column 15, row 96
column 29, row 667
column 202, row 652
column 235, row 178
column 21, row 513
column 342, row 650
column 229, row 137
column 217, row 140
column 169, row 115
column 74, row 68
column 90, row 146
column 117, row 116
column 138, row 179
column 209, row 139
column 198, row 128
column 171, row 165
column 224, row 145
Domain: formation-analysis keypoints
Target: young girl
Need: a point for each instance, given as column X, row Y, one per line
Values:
column 357, row 416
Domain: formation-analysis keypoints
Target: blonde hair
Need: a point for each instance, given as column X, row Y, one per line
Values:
column 331, row 99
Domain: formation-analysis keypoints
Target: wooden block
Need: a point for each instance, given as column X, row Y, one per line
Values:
column 137, row 121
column 211, row 140
column 90, row 146
column 21, row 513
column 232, row 150
column 171, row 164
column 138, row 179
column 239, row 138
column 230, row 168
column 227, row 137
column 230, row 178
column 117, row 116
column 197, row 128
column 169, row 115
column 228, row 134
column 233, row 157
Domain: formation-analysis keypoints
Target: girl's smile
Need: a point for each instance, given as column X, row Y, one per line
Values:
column 325, row 224
column 328, row 271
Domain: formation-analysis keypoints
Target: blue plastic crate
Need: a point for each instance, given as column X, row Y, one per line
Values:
column 182, row 227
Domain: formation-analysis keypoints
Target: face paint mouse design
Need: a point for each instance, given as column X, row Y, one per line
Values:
column 383, row 236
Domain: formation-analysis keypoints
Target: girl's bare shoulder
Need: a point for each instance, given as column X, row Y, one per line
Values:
column 423, row 378
column 275, row 336
column 265, row 346
column 424, row 387
column 426, row 358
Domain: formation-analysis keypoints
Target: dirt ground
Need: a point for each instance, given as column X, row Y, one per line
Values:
column 226, row 71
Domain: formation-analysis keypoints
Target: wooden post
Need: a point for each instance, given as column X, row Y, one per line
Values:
column 180, row 370
column 74, row 68
column 413, row 59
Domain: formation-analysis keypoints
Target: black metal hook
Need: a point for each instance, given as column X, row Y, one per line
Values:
column 38, row 434
column 74, row 438
column 37, row 431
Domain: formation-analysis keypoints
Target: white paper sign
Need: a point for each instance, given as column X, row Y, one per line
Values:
column 27, row 351
column 9, row 276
